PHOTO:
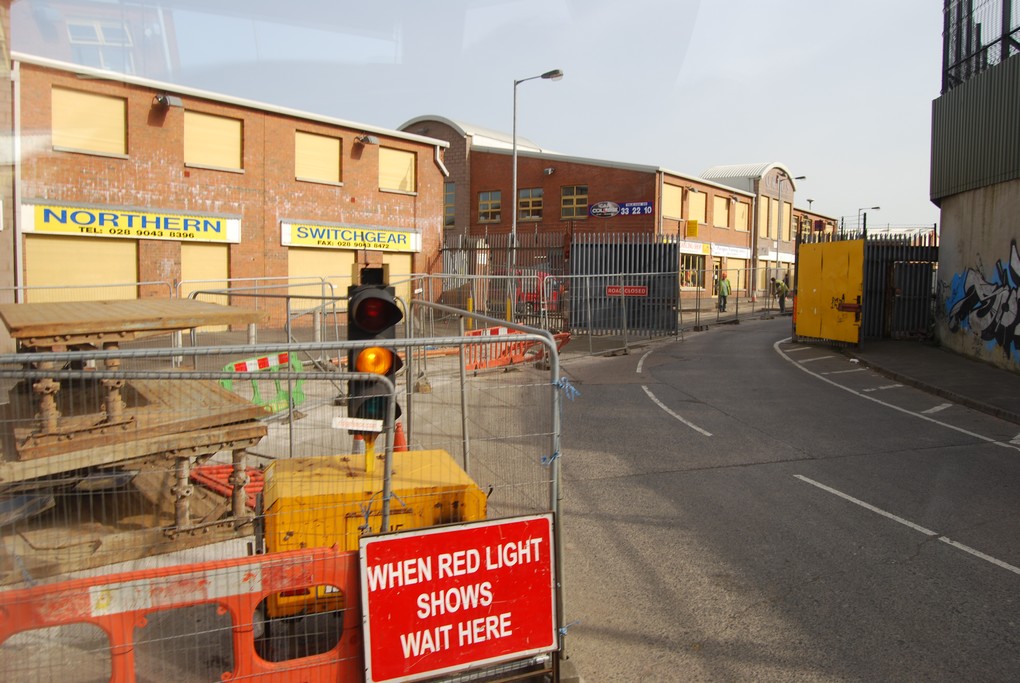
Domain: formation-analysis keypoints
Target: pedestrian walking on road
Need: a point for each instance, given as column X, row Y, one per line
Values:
column 724, row 291
column 781, row 291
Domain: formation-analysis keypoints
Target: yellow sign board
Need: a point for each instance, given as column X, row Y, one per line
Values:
column 692, row 227
column 88, row 221
column 349, row 237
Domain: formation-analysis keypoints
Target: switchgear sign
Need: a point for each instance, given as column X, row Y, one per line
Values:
column 451, row 598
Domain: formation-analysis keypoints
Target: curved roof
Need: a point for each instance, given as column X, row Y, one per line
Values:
column 481, row 137
column 743, row 175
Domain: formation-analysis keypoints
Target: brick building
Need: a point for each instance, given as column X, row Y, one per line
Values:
column 714, row 217
column 127, row 180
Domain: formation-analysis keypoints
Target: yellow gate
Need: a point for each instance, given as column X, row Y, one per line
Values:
column 830, row 285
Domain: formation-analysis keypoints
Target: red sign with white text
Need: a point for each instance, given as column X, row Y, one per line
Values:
column 627, row 290
column 450, row 598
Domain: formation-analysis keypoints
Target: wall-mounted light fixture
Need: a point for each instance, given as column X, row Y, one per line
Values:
column 548, row 171
column 166, row 101
column 691, row 188
column 367, row 139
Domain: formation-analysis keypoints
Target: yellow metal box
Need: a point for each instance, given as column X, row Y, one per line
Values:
column 330, row 500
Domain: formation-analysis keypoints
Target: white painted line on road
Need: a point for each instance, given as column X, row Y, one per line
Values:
column 843, row 372
column 939, row 408
column 812, row 360
column 641, row 362
column 666, row 408
column 799, row 348
column 883, row 388
column 880, row 402
column 867, row 506
column 915, row 527
column 1015, row 440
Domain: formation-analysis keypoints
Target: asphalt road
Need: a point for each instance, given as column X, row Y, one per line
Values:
column 737, row 508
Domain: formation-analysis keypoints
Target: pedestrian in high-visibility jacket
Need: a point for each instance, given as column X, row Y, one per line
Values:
column 781, row 291
column 724, row 291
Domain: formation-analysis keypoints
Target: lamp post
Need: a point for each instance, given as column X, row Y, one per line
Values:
column 865, row 209
column 780, row 226
column 554, row 75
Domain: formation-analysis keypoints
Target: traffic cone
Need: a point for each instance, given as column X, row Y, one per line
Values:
column 399, row 441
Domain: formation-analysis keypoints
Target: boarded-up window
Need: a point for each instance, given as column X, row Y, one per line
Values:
column 396, row 170
column 720, row 211
column 763, row 217
column 53, row 263
column 672, row 201
column 213, row 141
column 89, row 123
column 787, row 218
column 316, row 157
column 696, row 206
column 740, row 220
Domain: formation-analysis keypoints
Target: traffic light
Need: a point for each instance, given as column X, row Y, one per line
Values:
column 372, row 313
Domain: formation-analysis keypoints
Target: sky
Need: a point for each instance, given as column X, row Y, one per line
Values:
column 837, row 91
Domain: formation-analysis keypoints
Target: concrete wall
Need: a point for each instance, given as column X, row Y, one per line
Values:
column 979, row 274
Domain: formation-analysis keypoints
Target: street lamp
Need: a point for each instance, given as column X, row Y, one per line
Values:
column 554, row 75
column 865, row 209
column 780, row 226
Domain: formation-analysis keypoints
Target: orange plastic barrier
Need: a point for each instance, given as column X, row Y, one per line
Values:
column 505, row 352
column 119, row 603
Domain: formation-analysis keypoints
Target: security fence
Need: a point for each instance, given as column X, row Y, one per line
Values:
column 976, row 35
column 194, row 513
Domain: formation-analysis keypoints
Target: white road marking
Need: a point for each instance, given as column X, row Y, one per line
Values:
column 812, row 360
column 799, row 348
column 919, row 416
column 1015, row 440
column 662, row 405
column 937, row 409
column 883, row 388
column 641, row 362
column 843, row 372
column 915, row 527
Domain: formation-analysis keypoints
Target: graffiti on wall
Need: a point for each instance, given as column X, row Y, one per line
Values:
column 988, row 307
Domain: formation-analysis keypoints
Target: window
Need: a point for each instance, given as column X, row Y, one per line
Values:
column 696, row 206
column 449, row 205
column 212, row 141
column 529, row 204
column 488, row 206
column 396, row 170
column 574, row 201
column 740, row 220
column 102, row 45
column 88, row 123
column 317, row 158
column 787, row 218
column 672, row 201
column 692, row 270
column 721, row 211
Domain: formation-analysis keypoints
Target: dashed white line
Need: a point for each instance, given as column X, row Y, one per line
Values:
column 799, row 348
column 666, row 408
column 812, row 360
column 981, row 437
column 843, row 372
column 916, row 527
column 937, row 409
column 883, row 388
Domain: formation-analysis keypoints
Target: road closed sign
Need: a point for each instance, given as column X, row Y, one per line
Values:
column 453, row 598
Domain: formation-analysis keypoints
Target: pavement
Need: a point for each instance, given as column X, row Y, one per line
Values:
column 976, row 384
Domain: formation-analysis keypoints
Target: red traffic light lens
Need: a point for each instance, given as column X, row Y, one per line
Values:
column 372, row 314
